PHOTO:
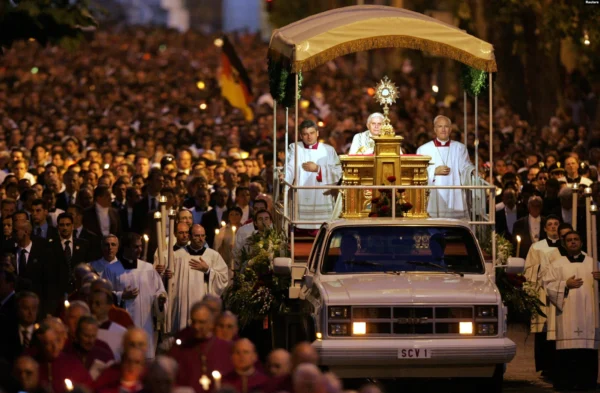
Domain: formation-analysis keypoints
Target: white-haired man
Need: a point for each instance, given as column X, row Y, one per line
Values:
column 363, row 143
column 451, row 167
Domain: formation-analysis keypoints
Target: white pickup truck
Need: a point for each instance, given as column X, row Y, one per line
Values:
column 387, row 298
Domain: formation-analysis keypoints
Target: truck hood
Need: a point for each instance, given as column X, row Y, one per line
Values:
column 374, row 289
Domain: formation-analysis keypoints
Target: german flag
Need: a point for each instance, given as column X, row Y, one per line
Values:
column 235, row 83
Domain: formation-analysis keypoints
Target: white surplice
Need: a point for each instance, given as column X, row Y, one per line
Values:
column 447, row 203
column 190, row 286
column 576, row 310
column 142, row 307
column 113, row 336
column 314, row 205
column 539, row 252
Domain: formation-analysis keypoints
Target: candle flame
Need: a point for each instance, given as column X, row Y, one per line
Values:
column 216, row 375
column 178, row 342
column 67, row 304
column 216, row 231
column 69, row 384
column 519, row 238
column 223, row 223
column 233, row 228
column 157, row 216
column 146, row 238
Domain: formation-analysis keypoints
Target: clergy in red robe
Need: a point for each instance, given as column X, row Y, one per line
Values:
column 133, row 364
column 94, row 354
column 205, row 353
column 57, row 367
column 245, row 378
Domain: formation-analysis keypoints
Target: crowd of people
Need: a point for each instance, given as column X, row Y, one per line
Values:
column 92, row 142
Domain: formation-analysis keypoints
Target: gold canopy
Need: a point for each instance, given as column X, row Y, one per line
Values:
column 317, row 39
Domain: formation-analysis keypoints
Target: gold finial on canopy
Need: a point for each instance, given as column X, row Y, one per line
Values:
column 386, row 94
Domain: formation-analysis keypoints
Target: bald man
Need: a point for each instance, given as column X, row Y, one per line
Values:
column 279, row 363
column 131, row 371
column 244, row 377
column 307, row 378
column 303, row 353
column 134, row 338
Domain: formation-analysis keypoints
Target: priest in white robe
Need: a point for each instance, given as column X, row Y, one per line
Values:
column 139, row 287
column 318, row 165
column 569, row 283
column 198, row 271
column 546, row 249
column 450, row 167
column 363, row 143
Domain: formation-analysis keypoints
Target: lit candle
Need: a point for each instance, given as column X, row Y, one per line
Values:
column 216, row 232
column 146, row 238
column 223, row 223
column 170, row 253
column 233, row 228
column 67, row 304
column 518, row 246
column 162, row 202
column 69, row 384
column 217, row 377
column 588, row 219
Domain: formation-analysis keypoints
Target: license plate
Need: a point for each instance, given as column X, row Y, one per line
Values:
column 414, row 353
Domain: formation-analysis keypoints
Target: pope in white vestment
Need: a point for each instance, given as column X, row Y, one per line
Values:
column 139, row 275
column 363, row 143
column 449, row 166
column 318, row 165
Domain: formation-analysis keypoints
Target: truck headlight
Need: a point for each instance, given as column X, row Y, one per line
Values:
column 486, row 311
column 487, row 329
column 339, row 329
column 465, row 327
column 359, row 328
column 339, row 312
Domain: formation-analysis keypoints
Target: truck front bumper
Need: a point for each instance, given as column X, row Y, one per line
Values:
column 380, row 358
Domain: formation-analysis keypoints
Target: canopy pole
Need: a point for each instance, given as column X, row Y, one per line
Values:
column 275, row 174
column 294, row 191
column 286, row 188
column 476, row 144
column 465, row 116
column 492, row 196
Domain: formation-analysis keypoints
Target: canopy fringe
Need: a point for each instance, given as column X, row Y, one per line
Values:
column 395, row 41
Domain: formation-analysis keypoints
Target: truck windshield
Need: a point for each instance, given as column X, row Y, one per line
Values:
column 401, row 249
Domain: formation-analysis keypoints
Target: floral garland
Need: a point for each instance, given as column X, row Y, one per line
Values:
column 282, row 83
column 474, row 81
column 256, row 291
column 519, row 295
column 382, row 206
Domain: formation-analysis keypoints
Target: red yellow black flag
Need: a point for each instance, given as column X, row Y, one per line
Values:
column 234, row 80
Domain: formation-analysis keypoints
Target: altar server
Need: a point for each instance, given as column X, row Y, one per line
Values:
column 318, row 165
column 451, row 167
column 569, row 283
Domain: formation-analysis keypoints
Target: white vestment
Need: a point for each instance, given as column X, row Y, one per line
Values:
column 314, row 205
column 143, row 307
column 576, row 310
column 190, row 286
column 241, row 236
column 223, row 244
column 538, row 252
column 447, row 203
column 113, row 336
column 363, row 143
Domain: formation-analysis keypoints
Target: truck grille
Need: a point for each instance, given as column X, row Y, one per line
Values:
column 412, row 321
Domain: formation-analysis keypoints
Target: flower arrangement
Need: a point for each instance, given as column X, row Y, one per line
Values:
column 519, row 295
column 255, row 291
column 382, row 206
